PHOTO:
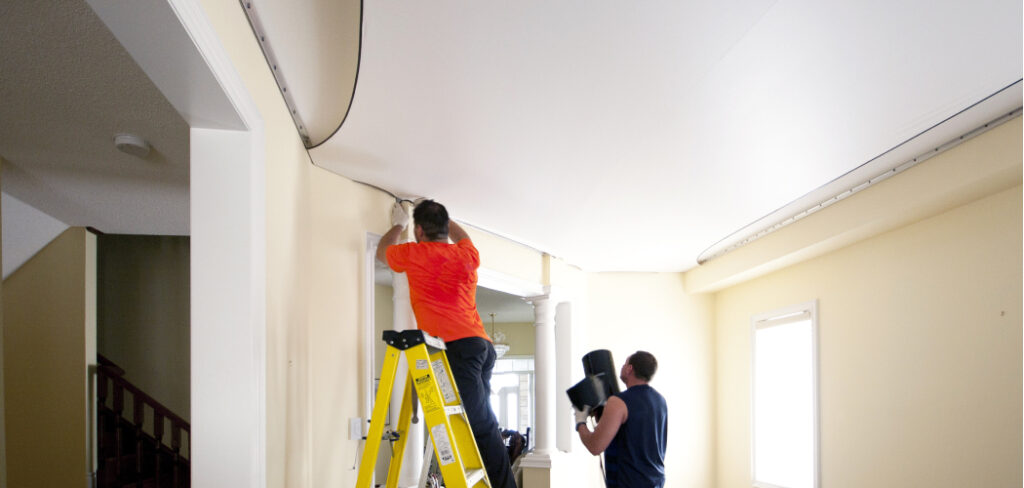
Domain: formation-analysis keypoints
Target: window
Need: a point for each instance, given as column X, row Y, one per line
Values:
column 785, row 398
column 511, row 392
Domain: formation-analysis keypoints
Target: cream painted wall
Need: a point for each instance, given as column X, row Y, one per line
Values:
column 652, row 312
column 920, row 353
column 520, row 336
column 336, row 317
column 49, row 344
column 505, row 256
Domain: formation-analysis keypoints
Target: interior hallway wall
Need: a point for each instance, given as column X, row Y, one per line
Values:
column 49, row 344
column 143, row 313
column 519, row 336
column 920, row 353
column 652, row 312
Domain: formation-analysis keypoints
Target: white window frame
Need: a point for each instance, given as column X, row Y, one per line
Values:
column 780, row 317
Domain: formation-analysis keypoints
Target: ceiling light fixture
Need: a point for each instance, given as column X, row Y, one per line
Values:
column 132, row 144
column 500, row 348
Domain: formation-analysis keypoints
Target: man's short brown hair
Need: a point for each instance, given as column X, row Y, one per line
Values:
column 644, row 365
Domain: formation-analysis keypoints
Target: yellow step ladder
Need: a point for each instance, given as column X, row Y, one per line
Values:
column 454, row 445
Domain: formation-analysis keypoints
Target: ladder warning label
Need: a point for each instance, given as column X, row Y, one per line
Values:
column 445, row 456
column 428, row 395
column 442, row 381
column 421, row 364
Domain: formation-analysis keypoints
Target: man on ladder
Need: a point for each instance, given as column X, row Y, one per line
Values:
column 442, row 289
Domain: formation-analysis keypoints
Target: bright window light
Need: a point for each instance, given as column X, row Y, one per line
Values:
column 510, row 393
column 785, row 399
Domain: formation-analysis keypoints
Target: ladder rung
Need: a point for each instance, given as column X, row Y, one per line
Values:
column 473, row 476
column 453, row 410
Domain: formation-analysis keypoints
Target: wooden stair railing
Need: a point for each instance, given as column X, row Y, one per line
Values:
column 145, row 463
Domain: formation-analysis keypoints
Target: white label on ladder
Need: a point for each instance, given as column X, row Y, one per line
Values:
column 442, row 381
column 445, row 456
column 421, row 364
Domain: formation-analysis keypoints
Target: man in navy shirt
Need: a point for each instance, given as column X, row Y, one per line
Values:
column 633, row 429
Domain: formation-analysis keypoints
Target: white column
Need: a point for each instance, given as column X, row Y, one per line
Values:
column 227, row 444
column 563, row 376
column 404, row 319
column 544, row 373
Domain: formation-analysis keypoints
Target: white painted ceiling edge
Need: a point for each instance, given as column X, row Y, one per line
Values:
column 26, row 231
column 622, row 136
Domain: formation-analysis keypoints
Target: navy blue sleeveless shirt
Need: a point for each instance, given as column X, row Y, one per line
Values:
column 636, row 456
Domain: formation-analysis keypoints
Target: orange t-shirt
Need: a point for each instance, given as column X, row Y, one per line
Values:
column 442, row 286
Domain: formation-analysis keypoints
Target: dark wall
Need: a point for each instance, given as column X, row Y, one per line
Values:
column 143, row 313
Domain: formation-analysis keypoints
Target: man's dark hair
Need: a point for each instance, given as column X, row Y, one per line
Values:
column 432, row 218
column 644, row 365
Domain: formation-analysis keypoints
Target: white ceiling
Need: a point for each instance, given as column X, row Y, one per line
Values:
column 615, row 135
column 67, row 86
column 634, row 135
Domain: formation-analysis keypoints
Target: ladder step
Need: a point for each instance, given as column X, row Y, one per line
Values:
column 473, row 476
column 453, row 410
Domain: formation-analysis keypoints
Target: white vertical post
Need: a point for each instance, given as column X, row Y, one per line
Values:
column 228, row 268
column 404, row 319
column 564, row 433
column 544, row 372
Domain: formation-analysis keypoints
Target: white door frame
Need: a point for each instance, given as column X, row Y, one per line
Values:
column 176, row 45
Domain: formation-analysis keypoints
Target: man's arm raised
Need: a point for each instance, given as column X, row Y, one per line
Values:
column 399, row 220
column 614, row 415
column 455, row 232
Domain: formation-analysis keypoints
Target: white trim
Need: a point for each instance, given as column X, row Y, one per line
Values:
column 783, row 319
column 505, row 283
column 369, row 322
column 785, row 315
column 369, row 334
column 536, row 460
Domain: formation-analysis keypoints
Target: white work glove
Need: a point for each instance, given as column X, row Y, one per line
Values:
column 581, row 415
column 399, row 216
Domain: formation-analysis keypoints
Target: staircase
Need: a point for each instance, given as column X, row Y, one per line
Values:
column 133, row 451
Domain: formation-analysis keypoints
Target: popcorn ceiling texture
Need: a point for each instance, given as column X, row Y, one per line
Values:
column 66, row 88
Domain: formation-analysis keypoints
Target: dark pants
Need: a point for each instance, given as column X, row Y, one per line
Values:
column 472, row 360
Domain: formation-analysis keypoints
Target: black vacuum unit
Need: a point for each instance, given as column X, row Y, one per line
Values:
column 601, row 382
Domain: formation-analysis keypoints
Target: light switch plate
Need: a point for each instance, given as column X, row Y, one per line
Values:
column 355, row 429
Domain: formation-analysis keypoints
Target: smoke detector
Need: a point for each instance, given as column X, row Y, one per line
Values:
column 132, row 144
